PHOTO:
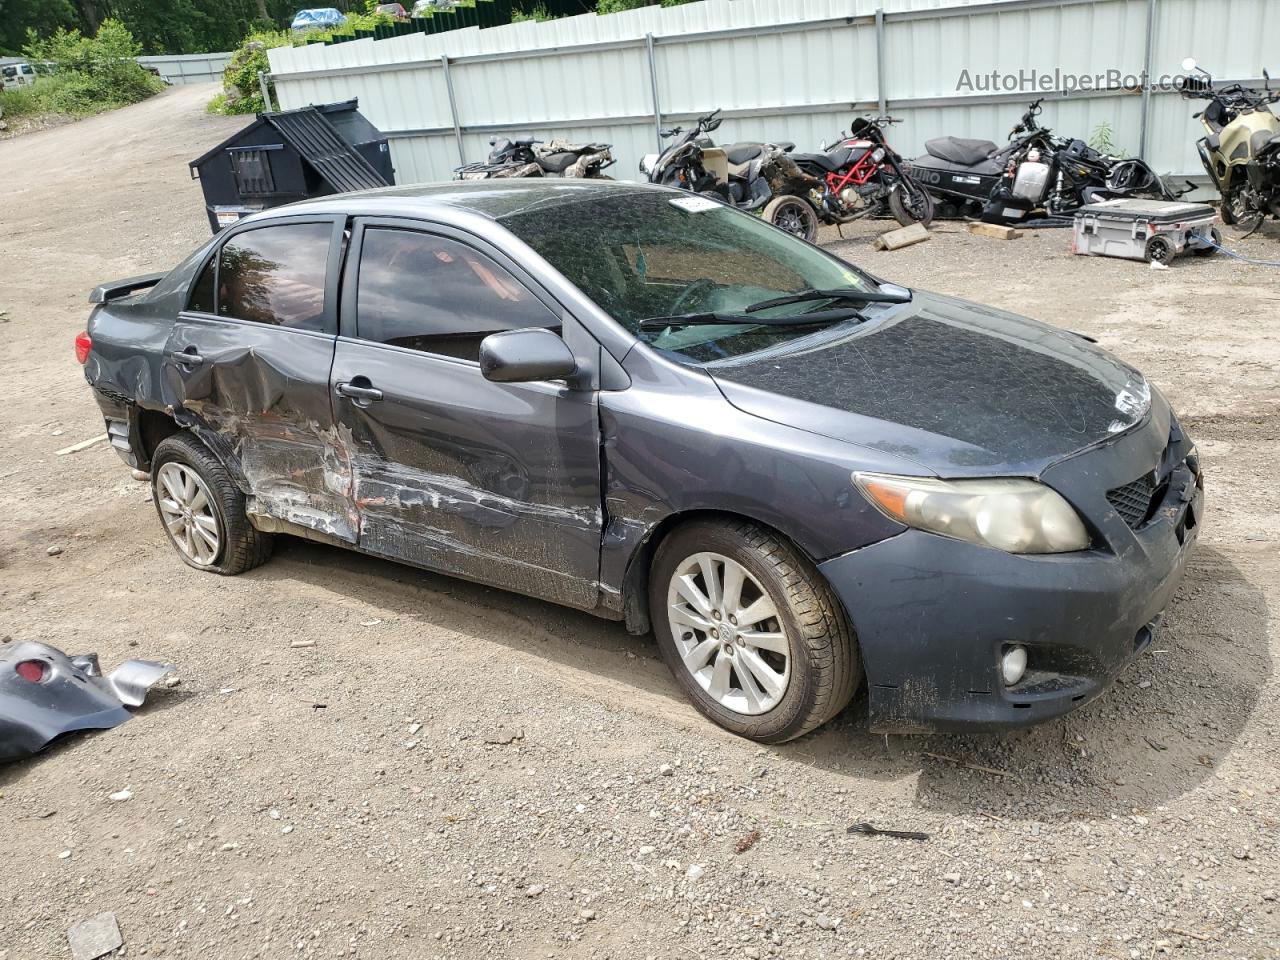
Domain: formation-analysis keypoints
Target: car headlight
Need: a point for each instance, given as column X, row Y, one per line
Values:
column 1014, row 515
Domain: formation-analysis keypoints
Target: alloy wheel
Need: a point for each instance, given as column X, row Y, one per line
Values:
column 187, row 512
column 728, row 633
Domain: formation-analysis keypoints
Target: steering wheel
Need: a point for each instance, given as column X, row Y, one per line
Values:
column 701, row 286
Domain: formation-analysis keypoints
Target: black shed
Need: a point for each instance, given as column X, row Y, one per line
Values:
column 292, row 155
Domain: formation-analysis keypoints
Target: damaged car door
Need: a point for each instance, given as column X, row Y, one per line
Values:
column 246, row 367
column 496, row 482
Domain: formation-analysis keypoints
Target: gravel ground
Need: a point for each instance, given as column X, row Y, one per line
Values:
column 452, row 771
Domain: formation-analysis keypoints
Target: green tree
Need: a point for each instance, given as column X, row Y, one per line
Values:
column 42, row 16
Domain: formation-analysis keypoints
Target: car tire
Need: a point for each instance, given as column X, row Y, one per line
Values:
column 794, row 215
column 181, row 463
column 822, row 668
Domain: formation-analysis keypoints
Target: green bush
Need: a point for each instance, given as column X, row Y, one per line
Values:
column 240, row 90
column 19, row 102
column 83, row 75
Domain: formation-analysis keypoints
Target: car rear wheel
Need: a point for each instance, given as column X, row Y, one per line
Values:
column 202, row 510
column 751, row 630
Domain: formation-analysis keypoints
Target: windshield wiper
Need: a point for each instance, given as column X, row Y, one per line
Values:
column 841, row 293
column 705, row 319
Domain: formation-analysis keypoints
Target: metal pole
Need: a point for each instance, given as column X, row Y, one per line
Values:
column 653, row 88
column 1147, row 56
column 880, row 96
column 265, row 88
column 453, row 108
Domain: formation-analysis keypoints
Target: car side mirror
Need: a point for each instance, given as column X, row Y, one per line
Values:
column 521, row 356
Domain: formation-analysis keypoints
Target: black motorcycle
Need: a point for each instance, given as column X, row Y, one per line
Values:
column 1036, row 174
column 530, row 158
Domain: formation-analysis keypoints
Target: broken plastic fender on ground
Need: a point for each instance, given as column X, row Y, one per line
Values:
column 45, row 694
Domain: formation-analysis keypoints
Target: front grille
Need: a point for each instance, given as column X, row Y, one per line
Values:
column 1133, row 501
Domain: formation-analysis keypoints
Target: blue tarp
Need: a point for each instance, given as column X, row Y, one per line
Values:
column 321, row 18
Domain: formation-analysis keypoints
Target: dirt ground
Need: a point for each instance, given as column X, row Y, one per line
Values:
column 385, row 825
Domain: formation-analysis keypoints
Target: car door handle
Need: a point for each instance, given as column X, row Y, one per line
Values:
column 358, row 394
column 188, row 357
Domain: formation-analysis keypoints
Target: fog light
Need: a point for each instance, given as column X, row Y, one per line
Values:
column 1013, row 665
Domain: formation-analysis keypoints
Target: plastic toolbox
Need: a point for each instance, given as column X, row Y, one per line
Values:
column 1156, row 230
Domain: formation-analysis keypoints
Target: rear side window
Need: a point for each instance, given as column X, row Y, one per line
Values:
column 276, row 275
column 428, row 293
column 202, row 293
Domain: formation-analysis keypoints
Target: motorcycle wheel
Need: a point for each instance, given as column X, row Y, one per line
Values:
column 1238, row 212
column 918, row 208
column 794, row 215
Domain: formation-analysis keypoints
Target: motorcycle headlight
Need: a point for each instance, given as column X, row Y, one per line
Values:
column 1014, row 515
column 647, row 162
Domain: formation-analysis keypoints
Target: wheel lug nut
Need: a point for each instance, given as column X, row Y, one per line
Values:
column 734, row 621
column 715, row 614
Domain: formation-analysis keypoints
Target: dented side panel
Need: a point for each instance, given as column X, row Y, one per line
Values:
column 494, row 482
column 259, row 399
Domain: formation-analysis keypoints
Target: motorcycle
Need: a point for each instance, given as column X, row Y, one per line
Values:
column 530, row 158
column 752, row 176
column 1241, row 146
column 1035, row 173
column 862, row 176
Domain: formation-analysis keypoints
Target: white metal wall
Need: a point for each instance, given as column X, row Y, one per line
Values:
column 189, row 68
column 794, row 70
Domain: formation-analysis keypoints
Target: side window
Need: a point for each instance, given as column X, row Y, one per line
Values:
column 428, row 293
column 202, row 293
column 276, row 275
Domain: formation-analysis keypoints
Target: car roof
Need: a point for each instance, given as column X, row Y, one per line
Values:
column 493, row 199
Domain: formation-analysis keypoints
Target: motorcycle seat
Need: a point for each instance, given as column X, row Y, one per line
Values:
column 737, row 153
column 557, row 162
column 1264, row 141
column 740, row 153
column 967, row 153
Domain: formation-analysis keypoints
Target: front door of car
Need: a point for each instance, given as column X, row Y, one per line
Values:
column 496, row 482
column 246, row 367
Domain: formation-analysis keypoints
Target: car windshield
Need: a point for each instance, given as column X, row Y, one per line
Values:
column 656, row 254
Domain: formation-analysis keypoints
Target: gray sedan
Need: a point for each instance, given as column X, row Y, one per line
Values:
column 630, row 400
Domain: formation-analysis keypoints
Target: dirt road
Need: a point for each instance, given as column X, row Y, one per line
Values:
column 346, row 800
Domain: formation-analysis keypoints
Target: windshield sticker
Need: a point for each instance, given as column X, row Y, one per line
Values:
column 695, row 204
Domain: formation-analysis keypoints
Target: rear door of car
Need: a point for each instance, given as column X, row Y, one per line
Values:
column 496, row 482
column 247, row 366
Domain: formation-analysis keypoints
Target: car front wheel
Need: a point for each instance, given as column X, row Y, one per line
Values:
column 202, row 510
column 751, row 630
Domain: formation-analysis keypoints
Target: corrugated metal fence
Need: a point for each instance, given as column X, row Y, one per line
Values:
column 791, row 70
column 189, row 68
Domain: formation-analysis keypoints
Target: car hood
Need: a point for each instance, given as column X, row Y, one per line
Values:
column 956, row 387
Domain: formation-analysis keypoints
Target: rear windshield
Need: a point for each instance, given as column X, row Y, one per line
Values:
column 641, row 255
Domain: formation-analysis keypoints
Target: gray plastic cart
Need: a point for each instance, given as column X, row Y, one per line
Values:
column 1152, row 230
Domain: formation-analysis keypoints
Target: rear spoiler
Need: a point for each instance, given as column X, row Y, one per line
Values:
column 123, row 288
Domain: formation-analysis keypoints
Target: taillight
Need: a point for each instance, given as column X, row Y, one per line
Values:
column 83, row 345
column 32, row 670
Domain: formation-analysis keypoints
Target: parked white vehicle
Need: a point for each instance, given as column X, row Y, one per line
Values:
column 17, row 75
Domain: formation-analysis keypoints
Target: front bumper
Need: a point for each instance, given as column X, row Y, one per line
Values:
column 932, row 616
